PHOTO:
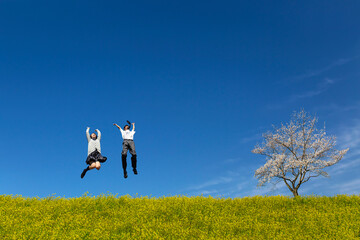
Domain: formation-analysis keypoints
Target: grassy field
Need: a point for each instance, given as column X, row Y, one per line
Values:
column 111, row 217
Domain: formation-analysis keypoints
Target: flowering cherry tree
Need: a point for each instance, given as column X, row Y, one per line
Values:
column 296, row 152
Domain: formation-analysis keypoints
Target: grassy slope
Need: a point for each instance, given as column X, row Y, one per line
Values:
column 110, row 217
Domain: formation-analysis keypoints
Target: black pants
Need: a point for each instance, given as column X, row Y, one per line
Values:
column 128, row 145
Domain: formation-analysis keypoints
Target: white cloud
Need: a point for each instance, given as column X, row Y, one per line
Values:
column 334, row 109
column 254, row 138
column 352, row 187
column 319, row 89
column 344, row 166
column 349, row 137
column 317, row 72
column 241, row 183
column 231, row 160
column 227, row 185
column 278, row 189
column 213, row 182
column 322, row 87
column 206, row 192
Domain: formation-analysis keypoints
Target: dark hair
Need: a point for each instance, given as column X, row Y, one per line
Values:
column 126, row 126
column 95, row 135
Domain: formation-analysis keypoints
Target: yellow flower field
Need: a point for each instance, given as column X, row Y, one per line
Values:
column 112, row 217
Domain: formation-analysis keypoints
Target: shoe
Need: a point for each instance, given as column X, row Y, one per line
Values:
column 125, row 175
column 135, row 171
column 83, row 173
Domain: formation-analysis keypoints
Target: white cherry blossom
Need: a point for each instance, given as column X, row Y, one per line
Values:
column 296, row 152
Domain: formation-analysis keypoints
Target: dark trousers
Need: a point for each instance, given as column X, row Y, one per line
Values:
column 128, row 145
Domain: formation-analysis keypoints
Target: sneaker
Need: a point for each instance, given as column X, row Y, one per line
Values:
column 125, row 175
column 135, row 171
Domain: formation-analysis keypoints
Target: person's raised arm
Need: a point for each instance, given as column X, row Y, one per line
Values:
column 87, row 134
column 118, row 126
column 133, row 126
column 99, row 134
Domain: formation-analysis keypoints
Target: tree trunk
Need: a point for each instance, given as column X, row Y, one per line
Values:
column 295, row 192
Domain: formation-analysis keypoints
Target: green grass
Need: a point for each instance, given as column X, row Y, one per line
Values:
column 111, row 217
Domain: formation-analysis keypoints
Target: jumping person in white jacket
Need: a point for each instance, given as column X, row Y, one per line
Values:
column 94, row 157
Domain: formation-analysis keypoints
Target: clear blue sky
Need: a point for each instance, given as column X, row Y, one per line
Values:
column 201, row 79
